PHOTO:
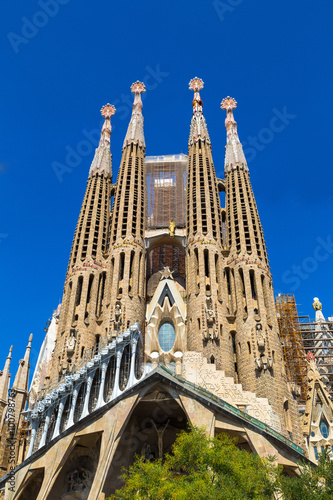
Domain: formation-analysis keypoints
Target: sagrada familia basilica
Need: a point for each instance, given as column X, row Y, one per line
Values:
column 167, row 318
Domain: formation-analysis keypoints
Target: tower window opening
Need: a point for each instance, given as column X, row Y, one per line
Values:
column 212, row 360
column 253, row 285
column 97, row 343
column 241, row 275
column 78, row 291
column 206, row 258
column 82, row 352
column 91, row 279
column 233, row 339
column 121, row 266
column 100, row 293
column 249, row 347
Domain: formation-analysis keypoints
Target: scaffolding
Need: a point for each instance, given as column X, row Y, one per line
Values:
column 318, row 339
column 292, row 343
column 166, row 187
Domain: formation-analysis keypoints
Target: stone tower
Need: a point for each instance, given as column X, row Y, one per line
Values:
column 206, row 303
column 258, row 352
column 127, row 266
column 83, row 317
column 13, row 429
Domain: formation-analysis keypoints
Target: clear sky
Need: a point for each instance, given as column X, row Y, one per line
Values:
column 63, row 59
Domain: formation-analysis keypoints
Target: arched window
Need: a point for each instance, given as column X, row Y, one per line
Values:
column 324, row 429
column 166, row 336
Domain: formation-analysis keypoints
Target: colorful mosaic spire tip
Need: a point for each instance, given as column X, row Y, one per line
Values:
column 108, row 110
column 228, row 103
column 196, row 84
column 138, row 87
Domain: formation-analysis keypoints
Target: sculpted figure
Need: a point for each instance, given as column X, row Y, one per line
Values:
column 317, row 306
column 172, row 227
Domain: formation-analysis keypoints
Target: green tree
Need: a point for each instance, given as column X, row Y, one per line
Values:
column 201, row 468
column 313, row 483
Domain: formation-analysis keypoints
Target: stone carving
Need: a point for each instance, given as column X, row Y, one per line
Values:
column 166, row 273
column 264, row 363
column 117, row 314
column 210, row 315
column 260, row 336
column 147, row 453
column 160, row 432
column 78, row 480
column 71, row 341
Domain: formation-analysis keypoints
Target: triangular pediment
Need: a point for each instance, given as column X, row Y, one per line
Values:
column 318, row 404
column 166, row 289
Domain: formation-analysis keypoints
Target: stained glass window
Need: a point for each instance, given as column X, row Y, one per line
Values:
column 166, row 336
column 324, row 429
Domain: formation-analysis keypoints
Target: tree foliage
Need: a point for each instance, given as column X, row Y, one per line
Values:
column 201, row 468
column 314, row 483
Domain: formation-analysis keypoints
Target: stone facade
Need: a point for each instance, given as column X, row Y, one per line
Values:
column 196, row 298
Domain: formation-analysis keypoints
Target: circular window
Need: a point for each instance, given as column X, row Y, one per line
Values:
column 324, row 429
column 166, row 336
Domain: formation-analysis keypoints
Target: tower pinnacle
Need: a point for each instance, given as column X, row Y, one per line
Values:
column 198, row 129
column 234, row 151
column 102, row 161
column 135, row 127
column 4, row 380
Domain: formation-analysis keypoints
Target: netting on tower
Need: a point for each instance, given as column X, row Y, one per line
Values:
column 166, row 185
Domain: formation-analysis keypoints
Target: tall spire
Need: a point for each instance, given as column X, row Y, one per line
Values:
column 4, row 378
column 102, row 162
column 198, row 129
column 135, row 128
column 22, row 374
column 234, row 151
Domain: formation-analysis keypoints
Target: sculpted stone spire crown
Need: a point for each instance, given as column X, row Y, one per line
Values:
column 198, row 129
column 135, row 128
column 102, row 162
column 234, row 151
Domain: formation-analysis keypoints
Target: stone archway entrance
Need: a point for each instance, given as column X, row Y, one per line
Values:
column 151, row 431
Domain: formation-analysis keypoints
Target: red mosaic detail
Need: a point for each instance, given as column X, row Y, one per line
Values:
column 108, row 110
column 229, row 103
column 196, row 84
column 310, row 356
column 138, row 87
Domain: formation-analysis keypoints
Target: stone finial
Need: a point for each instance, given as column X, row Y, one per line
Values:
column 198, row 129
column 135, row 127
column 228, row 103
column 196, row 84
column 234, row 152
column 108, row 110
column 138, row 87
column 102, row 161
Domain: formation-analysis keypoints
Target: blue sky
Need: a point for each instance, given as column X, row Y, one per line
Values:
column 63, row 59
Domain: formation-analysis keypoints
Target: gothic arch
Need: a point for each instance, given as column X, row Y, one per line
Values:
column 151, row 431
column 32, row 485
column 76, row 476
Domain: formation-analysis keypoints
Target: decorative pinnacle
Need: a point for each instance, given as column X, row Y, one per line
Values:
column 234, row 151
column 138, row 87
column 229, row 103
column 196, row 84
column 108, row 110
